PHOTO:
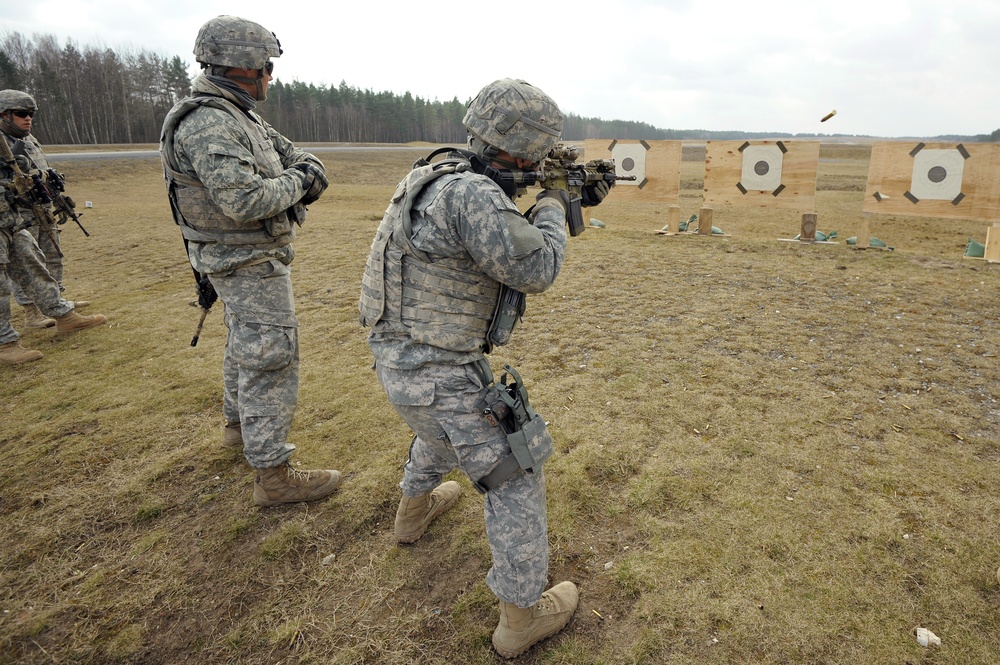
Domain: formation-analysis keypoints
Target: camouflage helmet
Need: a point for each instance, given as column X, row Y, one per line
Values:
column 231, row 41
column 516, row 117
column 15, row 100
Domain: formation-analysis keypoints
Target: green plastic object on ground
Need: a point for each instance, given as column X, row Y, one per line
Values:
column 975, row 249
column 820, row 236
column 872, row 242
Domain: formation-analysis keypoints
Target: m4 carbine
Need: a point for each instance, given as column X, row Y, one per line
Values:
column 560, row 171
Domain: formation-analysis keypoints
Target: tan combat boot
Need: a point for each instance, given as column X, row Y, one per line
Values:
column 283, row 484
column 232, row 436
column 415, row 513
column 33, row 317
column 72, row 322
column 519, row 628
column 15, row 354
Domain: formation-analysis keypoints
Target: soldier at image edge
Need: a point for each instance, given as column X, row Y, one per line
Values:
column 237, row 189
column 444, row 283
column 22, row 263
column 19, row 127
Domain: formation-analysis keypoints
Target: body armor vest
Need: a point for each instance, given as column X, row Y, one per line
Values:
column 447, row 303
column 200, row 219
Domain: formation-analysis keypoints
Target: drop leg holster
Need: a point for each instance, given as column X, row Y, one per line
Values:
column 507, row 407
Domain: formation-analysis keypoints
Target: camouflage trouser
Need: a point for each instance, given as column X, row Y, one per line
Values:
column 53, row 262
column 26, row 268
column 260, row 369
column 442, row 405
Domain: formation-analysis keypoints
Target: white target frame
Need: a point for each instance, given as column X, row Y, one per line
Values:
column 630, row 159
column 762, row 168
column 937, row 174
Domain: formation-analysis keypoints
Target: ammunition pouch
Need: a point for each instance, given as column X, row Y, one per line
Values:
column 507, row 407
column 509, row 310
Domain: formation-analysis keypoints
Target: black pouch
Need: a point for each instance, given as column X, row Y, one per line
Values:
column 510, row 309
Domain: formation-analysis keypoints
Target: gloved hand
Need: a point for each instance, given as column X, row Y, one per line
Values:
column 548, row 197
column 313, row 181
column 206, row 293
column 593, row 194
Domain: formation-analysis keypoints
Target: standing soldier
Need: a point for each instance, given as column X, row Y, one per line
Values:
column 442, row 285
column 21, row 261
column 17, row 111
column 237, row 189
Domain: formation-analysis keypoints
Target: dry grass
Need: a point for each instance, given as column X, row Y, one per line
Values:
column 767, row 453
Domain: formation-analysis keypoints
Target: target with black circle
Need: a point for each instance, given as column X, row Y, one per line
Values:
column 630, row 160
column 762, row 168
column 937, row 174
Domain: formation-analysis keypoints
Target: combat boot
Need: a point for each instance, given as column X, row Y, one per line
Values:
column 415, row 513
column 519, row 628
column 33, row 317
column 232, row 436
column 72, row 322
column 15, row 354
column 284, row 484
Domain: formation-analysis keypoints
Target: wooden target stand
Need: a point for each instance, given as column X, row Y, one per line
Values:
column 864, row 236
column 807, row 234
column 673, row 225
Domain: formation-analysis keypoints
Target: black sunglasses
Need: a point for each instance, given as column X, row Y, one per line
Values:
column 269, row 67
column 24, row 114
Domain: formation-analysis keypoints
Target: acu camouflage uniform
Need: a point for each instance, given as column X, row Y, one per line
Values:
column 429, row 356
column 237, row 203
column 53, row 262
column 23, row 264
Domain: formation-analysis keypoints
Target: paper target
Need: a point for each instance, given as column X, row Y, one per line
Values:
column 934, row 179
column 630, row 159
column 761, row 168
column 937, row 175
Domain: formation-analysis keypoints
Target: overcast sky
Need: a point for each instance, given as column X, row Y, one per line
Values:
column 890, row 68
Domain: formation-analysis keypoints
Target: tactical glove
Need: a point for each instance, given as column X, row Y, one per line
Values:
column 313, row 181
column 206, row 293
column 593, row 194
column 552, row 197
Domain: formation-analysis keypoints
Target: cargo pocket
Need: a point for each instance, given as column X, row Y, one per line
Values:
column 264, row 347
column 521, row 572
column 411, row 393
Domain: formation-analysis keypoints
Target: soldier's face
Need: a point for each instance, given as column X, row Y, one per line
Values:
column 266, row 77
column 21, row 119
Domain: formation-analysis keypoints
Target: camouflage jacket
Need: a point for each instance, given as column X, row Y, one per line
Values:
column 211, row 146
column 466, row 219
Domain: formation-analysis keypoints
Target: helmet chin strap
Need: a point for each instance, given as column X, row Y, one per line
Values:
column 257, row 82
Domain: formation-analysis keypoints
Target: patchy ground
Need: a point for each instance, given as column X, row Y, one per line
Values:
column 766, row 452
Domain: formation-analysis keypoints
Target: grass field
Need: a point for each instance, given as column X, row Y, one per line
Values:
column 765, row 452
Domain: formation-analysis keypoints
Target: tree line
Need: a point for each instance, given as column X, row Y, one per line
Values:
column 95, row 95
